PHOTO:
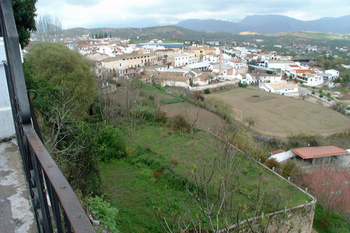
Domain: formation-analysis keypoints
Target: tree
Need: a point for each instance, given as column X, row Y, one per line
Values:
column 46, row 26
column 67, row 70
column 327, row 64
column 24, row 14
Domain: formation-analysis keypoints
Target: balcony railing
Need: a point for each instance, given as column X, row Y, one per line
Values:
column 56, row 207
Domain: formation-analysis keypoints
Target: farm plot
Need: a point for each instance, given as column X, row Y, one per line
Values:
column 277, row 114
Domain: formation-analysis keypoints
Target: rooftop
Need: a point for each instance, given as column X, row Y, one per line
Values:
column 278, row 86
column 319, row 151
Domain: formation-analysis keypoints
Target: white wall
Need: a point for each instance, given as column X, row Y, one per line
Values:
column 6, row 121
column 281, row 157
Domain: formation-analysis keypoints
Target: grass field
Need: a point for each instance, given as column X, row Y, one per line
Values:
column 132, row 187
column 281, row 115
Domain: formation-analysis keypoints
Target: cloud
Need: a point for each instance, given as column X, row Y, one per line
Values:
column 97, row 13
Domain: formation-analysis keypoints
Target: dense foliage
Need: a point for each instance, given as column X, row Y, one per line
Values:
column 24, row 14
column 67, row 70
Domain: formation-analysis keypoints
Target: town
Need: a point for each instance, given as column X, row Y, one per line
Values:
column 153, row 130
column 205, row 65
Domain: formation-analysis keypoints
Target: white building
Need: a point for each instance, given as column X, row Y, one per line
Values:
column 333, row 73
column 280, row 88
column 178, row 59
column 6, row 120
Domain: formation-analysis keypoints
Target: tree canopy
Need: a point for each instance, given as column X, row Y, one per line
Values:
column 66, row 69
column 24, row 14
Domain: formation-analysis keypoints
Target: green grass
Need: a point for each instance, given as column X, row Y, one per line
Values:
column 172, row 101
column 328, row 221
column 134, row 191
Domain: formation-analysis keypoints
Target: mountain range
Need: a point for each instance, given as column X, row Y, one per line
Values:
column 270, row 24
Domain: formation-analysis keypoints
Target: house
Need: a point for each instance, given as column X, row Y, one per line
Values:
column 319, row 153
column 226, row 70
column 334, row 74
column 280, row 88
column 129, row 61
column 278, row 64
column 324, row 154
column 177, row 59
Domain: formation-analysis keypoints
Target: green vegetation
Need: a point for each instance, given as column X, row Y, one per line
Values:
column 160, row 173
column 104, row 212
column 24, row 14
column 327, row 221
column 67, row 70
column 172, row 101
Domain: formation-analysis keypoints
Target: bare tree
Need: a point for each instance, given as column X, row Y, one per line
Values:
column 192, row 119
column 48, row 27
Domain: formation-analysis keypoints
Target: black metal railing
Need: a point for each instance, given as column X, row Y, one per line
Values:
column 56, row 207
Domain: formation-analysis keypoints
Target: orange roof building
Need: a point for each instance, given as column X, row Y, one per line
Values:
column 324, row 152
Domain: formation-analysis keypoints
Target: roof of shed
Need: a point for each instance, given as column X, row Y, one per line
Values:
column 319, row 151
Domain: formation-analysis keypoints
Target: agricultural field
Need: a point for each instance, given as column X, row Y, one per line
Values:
column 167, row 162
column 278, row 115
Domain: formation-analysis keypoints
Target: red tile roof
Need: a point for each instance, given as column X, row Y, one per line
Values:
column 304, row 71
column 319, row 151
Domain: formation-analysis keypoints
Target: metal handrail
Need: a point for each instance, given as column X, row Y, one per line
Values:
column 56, row 207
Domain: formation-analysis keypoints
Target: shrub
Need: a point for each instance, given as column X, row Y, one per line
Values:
column 207, row 91
column 321, row 96
column 158, row 172
column 111, row 143
column 199, row 96
column 174, row 161
column 240, row 84
column 160, row 116
column 290, row 169
column 270, row 163
column 178, row 123
column 104, row 212
column 313, row 92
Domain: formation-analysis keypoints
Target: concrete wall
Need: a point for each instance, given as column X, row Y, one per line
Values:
column 6, row 120
column 283, row 156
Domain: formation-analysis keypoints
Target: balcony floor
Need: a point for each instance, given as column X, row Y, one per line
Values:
column 16, row 214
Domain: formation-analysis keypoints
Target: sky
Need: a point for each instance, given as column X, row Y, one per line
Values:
column 137, row 13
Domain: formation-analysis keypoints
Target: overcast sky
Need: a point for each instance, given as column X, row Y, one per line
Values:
column 109, row 13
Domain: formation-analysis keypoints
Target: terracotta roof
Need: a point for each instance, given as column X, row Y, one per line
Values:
column 277, row 151
column 319, row 151
column 304, row 71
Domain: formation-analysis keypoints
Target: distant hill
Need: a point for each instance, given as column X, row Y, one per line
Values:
column 175, row 33
column 270, row 24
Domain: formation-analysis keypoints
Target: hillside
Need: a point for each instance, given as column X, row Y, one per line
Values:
column 182, row 34
column 270, row 24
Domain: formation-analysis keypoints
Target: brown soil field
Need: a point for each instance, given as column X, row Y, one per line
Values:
column 278, row 115
column 205, row 120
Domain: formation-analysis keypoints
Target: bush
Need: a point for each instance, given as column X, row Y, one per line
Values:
column 321, row 96
column 270, row 163
column 104, row 212
column 178, row 123
column 290, row 169
column 199, row 96
column 160, row 116
column 207, row 91
column 111, row 144
column 158, row 172
column 240, row 84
